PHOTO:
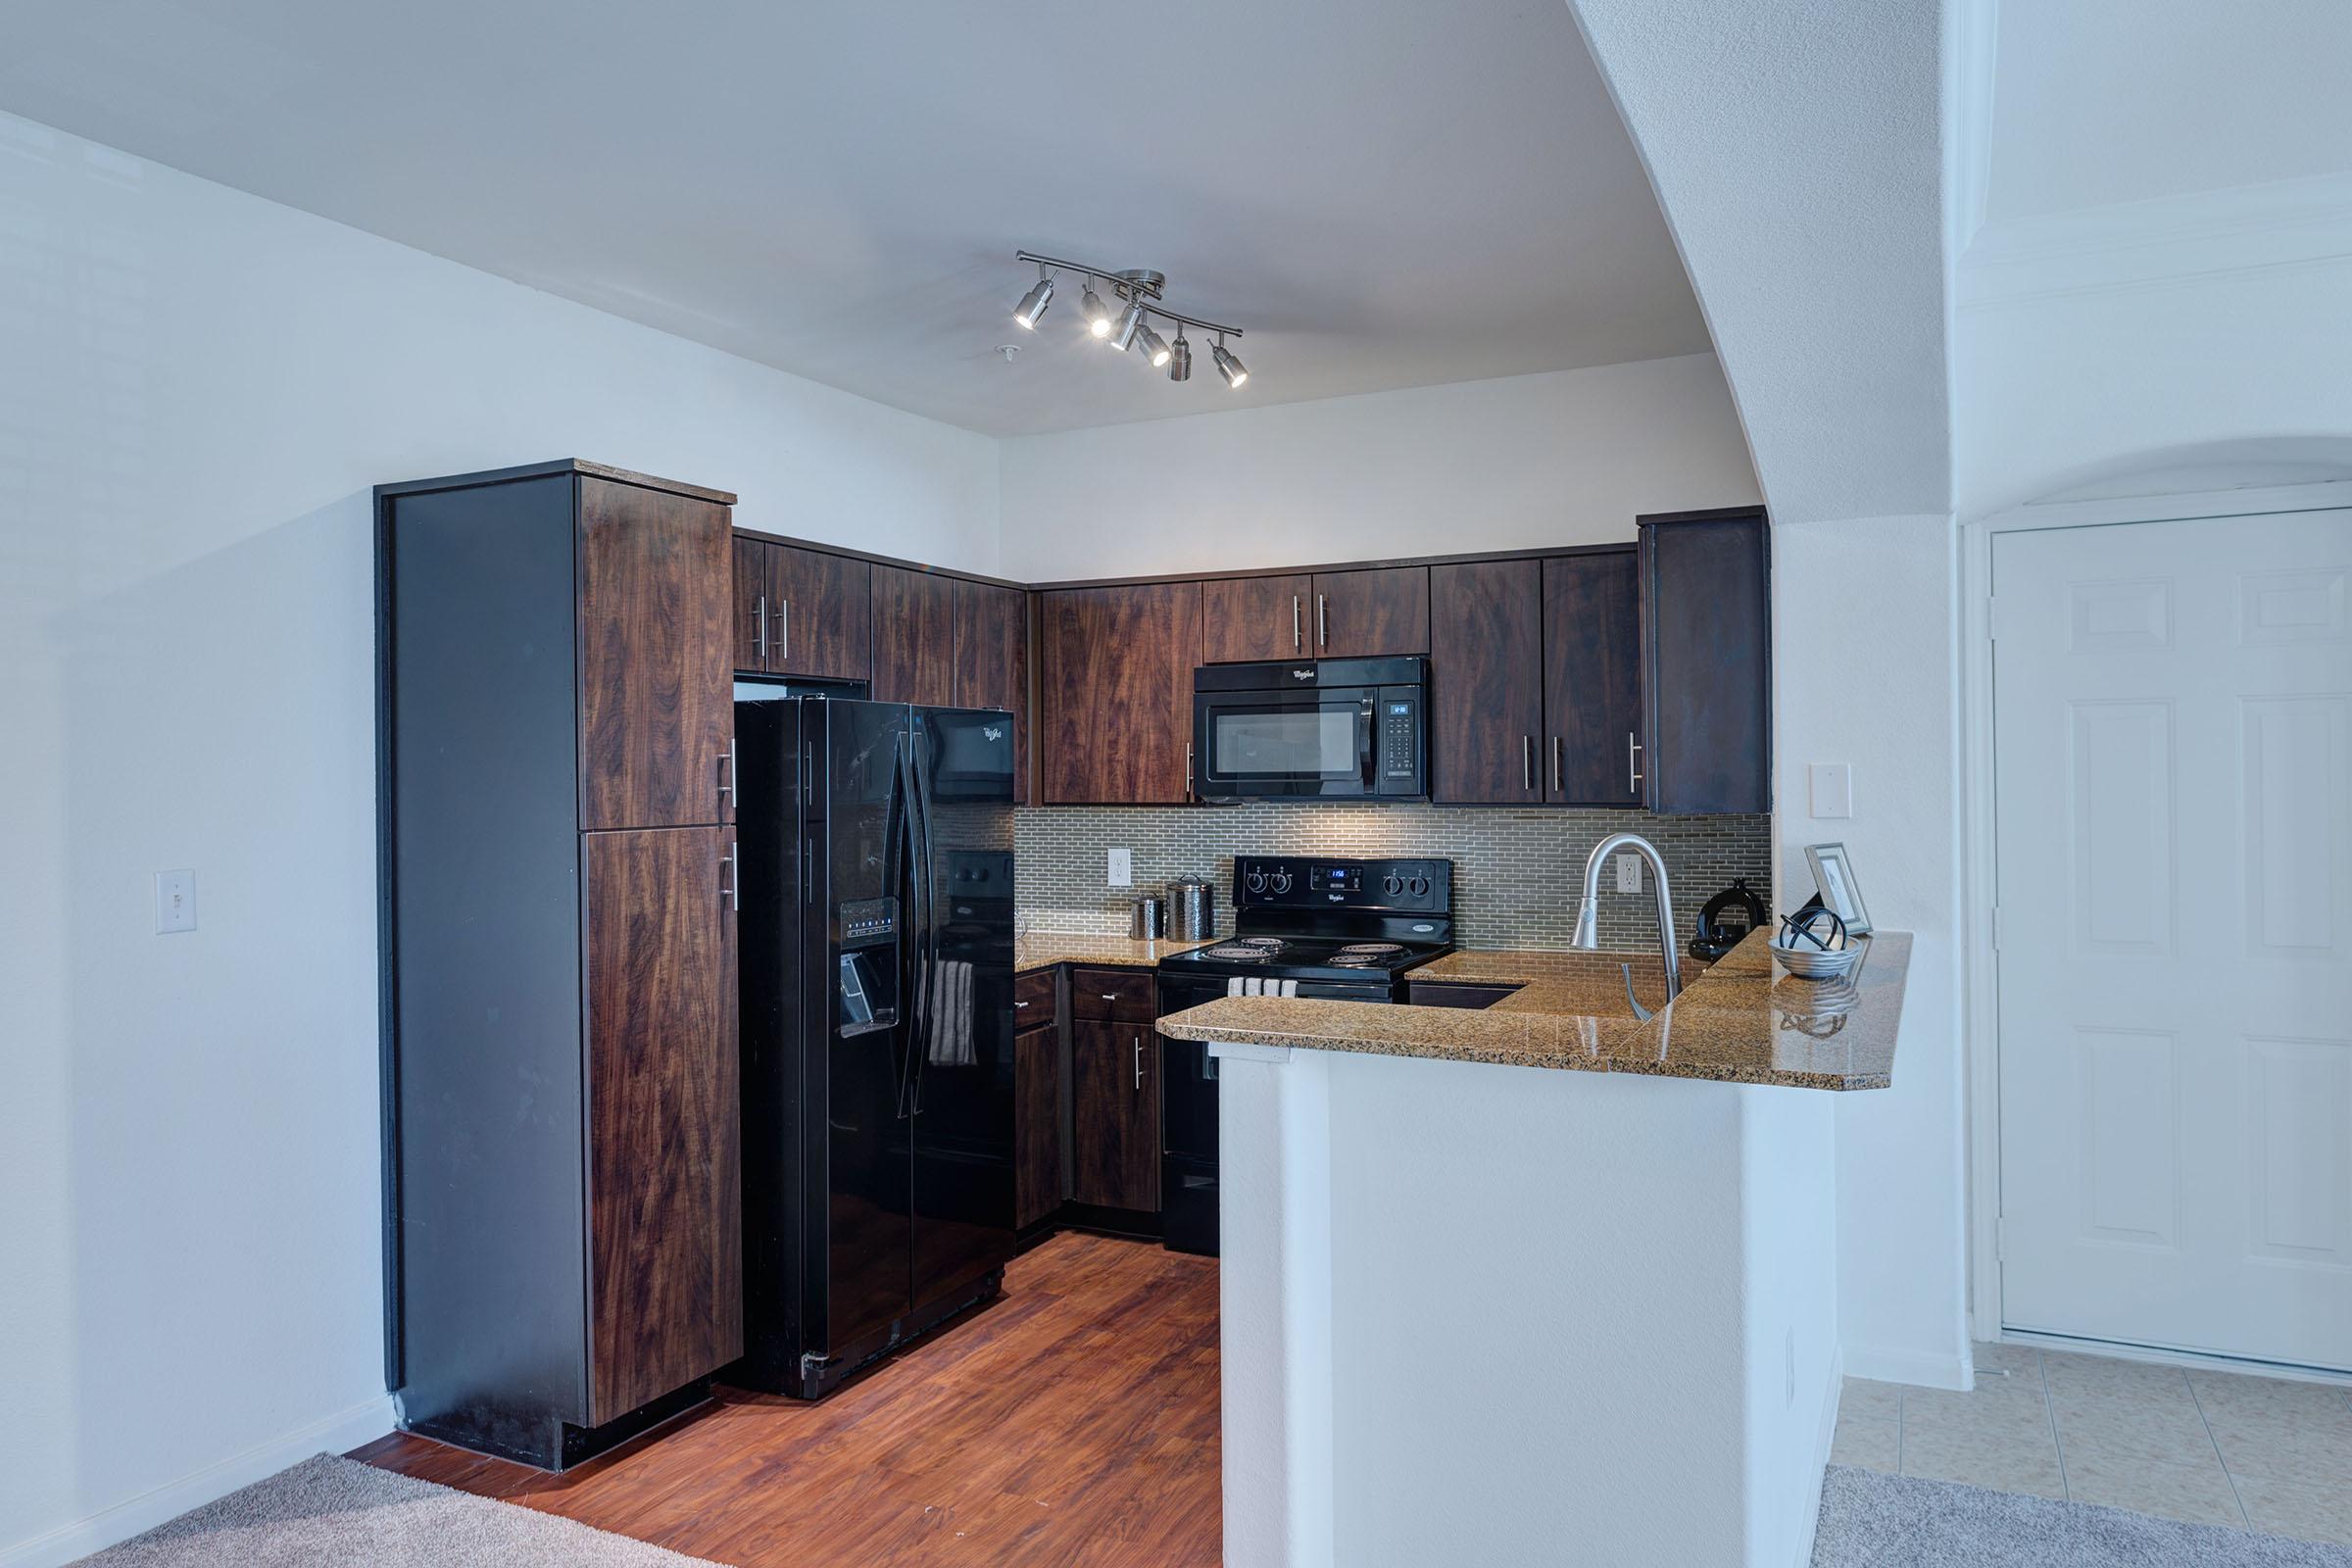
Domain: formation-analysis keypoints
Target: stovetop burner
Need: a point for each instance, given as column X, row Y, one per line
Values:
column 1368, row 949
column 1242, row 951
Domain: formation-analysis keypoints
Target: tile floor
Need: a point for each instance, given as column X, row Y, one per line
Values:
column 2212, row 1447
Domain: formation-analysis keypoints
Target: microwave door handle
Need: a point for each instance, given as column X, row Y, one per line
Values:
column 1367, row 748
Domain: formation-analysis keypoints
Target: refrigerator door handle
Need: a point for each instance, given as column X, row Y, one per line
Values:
column 927, row 949
column 901, row 835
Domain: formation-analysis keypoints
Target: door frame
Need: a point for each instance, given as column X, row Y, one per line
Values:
column 1978, row 840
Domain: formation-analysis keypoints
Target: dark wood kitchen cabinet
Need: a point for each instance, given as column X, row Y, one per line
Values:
column 1036, row 1124
column 1593, row 679
column 665, row 1202
column 1114, row 1114
column 1115, row 693
column 1706, row 661
column 801, row 612
column 1362, row 615
column 558, row 954
column 656, row 697
column 1248, row 618
column 1486, row 682
column 915, row 637
column 992, row 662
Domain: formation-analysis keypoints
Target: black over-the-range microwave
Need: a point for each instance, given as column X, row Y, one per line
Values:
column 1318, row 730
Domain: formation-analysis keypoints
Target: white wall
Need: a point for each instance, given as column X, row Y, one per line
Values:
column 1876, row 597
column 1565, row 457
column 197, row 389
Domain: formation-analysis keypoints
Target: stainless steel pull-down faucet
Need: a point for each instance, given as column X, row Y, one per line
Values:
column 1588, row 910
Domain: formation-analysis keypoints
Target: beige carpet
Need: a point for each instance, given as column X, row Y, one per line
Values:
column 339, row 1511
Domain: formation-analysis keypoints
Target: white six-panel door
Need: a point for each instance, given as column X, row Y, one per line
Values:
column 2173, row 733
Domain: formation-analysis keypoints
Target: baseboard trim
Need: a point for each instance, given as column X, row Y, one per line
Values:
column 1913, row 1367
column 346, row 1429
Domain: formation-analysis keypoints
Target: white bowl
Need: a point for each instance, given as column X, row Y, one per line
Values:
column 1809, row 963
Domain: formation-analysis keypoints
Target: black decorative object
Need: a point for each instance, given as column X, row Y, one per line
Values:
column 1816, row 926
column 1715, row 936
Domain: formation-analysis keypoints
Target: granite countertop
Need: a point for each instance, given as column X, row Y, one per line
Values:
column 1042, row 950
column 1737, row 1022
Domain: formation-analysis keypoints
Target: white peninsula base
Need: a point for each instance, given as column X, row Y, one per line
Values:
column 1503, row 1315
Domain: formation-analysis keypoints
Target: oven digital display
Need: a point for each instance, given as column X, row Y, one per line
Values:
column 1338, row 878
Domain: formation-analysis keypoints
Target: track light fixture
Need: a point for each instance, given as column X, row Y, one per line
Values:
column 1229, row 365
column 1097, row 313
column 1131, row 321
column 1033, row 304
column 1140, row 290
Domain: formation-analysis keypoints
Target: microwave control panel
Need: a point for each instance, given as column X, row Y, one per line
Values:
column 1396, row 721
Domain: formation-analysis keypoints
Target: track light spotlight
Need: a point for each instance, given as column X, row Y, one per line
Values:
column 1033, row 304
column 1097, row 313
column 1229, row 366
column 1155, row 347
column 1131, row 321
column 1180, row 358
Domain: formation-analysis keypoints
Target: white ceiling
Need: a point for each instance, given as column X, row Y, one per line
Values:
column 2096, row 102
column 1384, row 193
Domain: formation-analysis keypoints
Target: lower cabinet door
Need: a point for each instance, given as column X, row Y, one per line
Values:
column 1114, row 1093
column 665, row 1176
column 1036, row 1125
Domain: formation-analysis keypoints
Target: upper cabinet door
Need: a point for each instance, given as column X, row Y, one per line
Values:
column 1706, row 663
column 752, row 608
column 1485, row 683
column 1115, row 693
column 1593, row 679
column 818, row 614
column 1362, row 615
column 656, row 658
column 992, row 662
column 1246, row 619
column 665, row 1182
column 915, row 637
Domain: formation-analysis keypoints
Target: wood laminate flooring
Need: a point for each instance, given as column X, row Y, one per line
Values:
column 1073, row 1421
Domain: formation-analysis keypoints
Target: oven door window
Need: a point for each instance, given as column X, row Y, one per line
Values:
column 1261, row 741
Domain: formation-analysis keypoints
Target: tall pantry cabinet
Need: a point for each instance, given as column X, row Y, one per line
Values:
column 555, row 724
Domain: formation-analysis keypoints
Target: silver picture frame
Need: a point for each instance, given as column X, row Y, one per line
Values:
column 1834, row 880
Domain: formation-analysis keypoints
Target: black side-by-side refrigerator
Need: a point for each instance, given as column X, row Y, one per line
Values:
column 876, row 943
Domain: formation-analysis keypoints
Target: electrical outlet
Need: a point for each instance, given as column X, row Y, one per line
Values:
column 175, row 900
column 1122, row 868
column 1629, row 873
column 1832, row 789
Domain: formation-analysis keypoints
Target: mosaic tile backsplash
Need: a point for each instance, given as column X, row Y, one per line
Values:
column 1516, row 873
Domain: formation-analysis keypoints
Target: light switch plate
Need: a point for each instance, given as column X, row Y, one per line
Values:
column 1832, row 789
column 1629, row 873
column 1121, row 870
column 175, row 900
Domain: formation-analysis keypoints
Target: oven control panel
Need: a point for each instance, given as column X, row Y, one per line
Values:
column 1333, row 882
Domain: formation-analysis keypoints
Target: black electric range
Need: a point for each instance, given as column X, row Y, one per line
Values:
column 1315, row 926
column 1321, row 926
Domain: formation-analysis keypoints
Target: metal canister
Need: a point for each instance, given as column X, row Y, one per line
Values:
column 1196, row 907
column 1151, row 921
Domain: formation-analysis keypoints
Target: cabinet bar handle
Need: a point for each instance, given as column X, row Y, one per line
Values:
column 1633, row 773
column 1295, row 634
column 1110, row 995
column 1139, row 1061
column 1188, row 770
column 727, row 762
column 731, row 889
column 760, row 622
column 1556, row 758
column 1527, row 763
column 784, row 629
column 1322, row 624
column 1020, row 1005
